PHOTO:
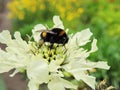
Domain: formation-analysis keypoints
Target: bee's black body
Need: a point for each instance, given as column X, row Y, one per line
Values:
column 55, row 35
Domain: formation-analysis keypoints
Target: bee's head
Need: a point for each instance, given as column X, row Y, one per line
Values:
column 43, row 34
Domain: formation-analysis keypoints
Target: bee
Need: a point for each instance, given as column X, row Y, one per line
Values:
column 55, row 35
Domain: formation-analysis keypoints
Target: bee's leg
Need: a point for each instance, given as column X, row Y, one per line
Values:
column 51, row 46
column 65, row 49
column 41, row 41
column 66, row 40
column 29, row 37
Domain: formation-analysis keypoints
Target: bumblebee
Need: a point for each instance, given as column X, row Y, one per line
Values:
column 55, row 35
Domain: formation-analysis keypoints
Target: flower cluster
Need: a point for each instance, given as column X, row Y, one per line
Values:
column 45, row 65
column 18, row 8
column 68, row 9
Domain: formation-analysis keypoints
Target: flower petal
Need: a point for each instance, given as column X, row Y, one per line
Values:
column 77, row 40
column 53, row 67
column 89, row 80
column 78, row 65
column 81, row 75
column 100, row 64
column 32, row 85
column 37, row 70
column 81, row 38
column 94, row 46
column 58, row 23
column 37, row 31
column 5, row 68
column 58, row 83
column 5, row 63
column 77, row 68
column 20, row 43
column 15, row 54
column 5, row 37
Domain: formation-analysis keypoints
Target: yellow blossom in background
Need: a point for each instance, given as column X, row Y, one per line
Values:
column 21, row 15
column 29, row 4
column 80, row 10
column 69, row 9
column 42, row 6
column 18, row 8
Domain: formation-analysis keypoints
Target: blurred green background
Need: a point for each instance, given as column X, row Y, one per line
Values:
column 2, row 84
column 101, row 16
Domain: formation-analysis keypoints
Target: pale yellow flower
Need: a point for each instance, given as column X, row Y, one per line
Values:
column 43, row 68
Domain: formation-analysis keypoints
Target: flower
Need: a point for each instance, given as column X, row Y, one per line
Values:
column 19, row 9
column 45, row 65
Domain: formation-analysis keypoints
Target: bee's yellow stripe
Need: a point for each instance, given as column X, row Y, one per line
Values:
column 44, row 34
column 61, row 33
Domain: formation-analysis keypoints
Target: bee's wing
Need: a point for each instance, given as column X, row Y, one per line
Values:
column 48, row 31
column 52, row 32
column 41, row 30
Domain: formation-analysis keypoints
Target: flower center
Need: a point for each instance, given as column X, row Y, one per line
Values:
column 49, row 51
column 52, row 52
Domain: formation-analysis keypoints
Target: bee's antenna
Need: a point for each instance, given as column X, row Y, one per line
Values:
column 41, row 30
column 47, row 26
column 29, row 37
